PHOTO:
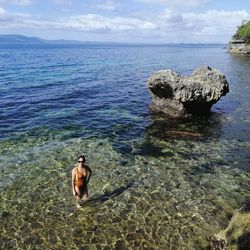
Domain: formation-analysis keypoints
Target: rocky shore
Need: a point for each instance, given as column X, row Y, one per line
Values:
column 239, row 46
column 182, row 96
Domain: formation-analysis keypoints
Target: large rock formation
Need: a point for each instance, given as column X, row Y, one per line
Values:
column 181, row 96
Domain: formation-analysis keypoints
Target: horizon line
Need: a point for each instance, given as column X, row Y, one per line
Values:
column 105, row 42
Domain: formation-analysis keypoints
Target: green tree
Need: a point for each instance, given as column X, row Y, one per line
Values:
column 243, row 31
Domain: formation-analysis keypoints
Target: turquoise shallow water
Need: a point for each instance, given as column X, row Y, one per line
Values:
column 157, row 183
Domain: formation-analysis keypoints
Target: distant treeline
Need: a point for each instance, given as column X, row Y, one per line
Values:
column 243, row 31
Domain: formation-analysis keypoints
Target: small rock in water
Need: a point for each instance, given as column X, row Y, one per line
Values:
column 216, row 243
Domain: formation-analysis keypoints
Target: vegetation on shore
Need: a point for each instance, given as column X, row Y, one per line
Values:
column 243, row 31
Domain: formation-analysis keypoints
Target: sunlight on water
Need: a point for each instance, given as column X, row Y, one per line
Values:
column 157, row 183
column 137, row 201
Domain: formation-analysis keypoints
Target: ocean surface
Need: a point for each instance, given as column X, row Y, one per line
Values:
column 157, row 183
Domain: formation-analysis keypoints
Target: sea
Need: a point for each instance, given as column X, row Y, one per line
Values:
column 157, row 183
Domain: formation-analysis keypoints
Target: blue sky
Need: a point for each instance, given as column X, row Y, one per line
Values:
column 147, row 21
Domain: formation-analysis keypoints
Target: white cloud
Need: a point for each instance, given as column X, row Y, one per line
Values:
column 215, row 22
column 176, row 3
column 63, row 2
column 7, row 19
column 109, row 5
column 167, row 26
column 91, row 22
column 2, row 11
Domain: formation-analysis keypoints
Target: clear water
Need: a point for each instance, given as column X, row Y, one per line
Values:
column 157, row 183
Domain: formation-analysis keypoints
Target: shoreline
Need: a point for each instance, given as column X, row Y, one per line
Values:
column 239, row 47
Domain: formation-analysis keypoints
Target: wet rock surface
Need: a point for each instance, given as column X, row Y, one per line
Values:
column 239, row 47
column 181, row 96
column 215, row 243
column 237, row 233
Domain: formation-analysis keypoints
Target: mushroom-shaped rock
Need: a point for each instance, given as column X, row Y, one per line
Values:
column 181, row 96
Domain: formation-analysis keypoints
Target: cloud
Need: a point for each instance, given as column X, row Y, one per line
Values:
column 109, row 5
column 214, row 22
column 18, row 2
column 92, row 22
column 63, row 2
column 89, row 22
column 213, row 25
column 8, row 19
column 166, row 26
column 177, row 3
column 2, row 11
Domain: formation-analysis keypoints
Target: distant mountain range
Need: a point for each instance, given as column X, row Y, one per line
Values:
column 20, row 39
column 24, row 40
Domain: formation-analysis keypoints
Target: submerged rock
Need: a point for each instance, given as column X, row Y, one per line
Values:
column 216, row 243
column 181, row 96
column 237, row 233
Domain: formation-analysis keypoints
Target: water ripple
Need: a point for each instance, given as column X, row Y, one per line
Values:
column 156, row 181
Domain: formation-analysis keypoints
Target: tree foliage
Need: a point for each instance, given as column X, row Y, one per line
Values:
column 243, row 31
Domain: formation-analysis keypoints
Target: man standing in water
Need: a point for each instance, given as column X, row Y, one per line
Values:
column 80, row 177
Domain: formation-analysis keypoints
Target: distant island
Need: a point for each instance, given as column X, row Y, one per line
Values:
column 240, row 42
column 20, row 39
column 16, row 39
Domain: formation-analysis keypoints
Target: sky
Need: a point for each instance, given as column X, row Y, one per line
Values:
column 136, row 21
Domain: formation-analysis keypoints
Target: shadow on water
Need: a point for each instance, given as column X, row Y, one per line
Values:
column 151, row 150
column 194, row 128
column 109, row 195
column 163, row 128
column 206, row 168
column 243, row 241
